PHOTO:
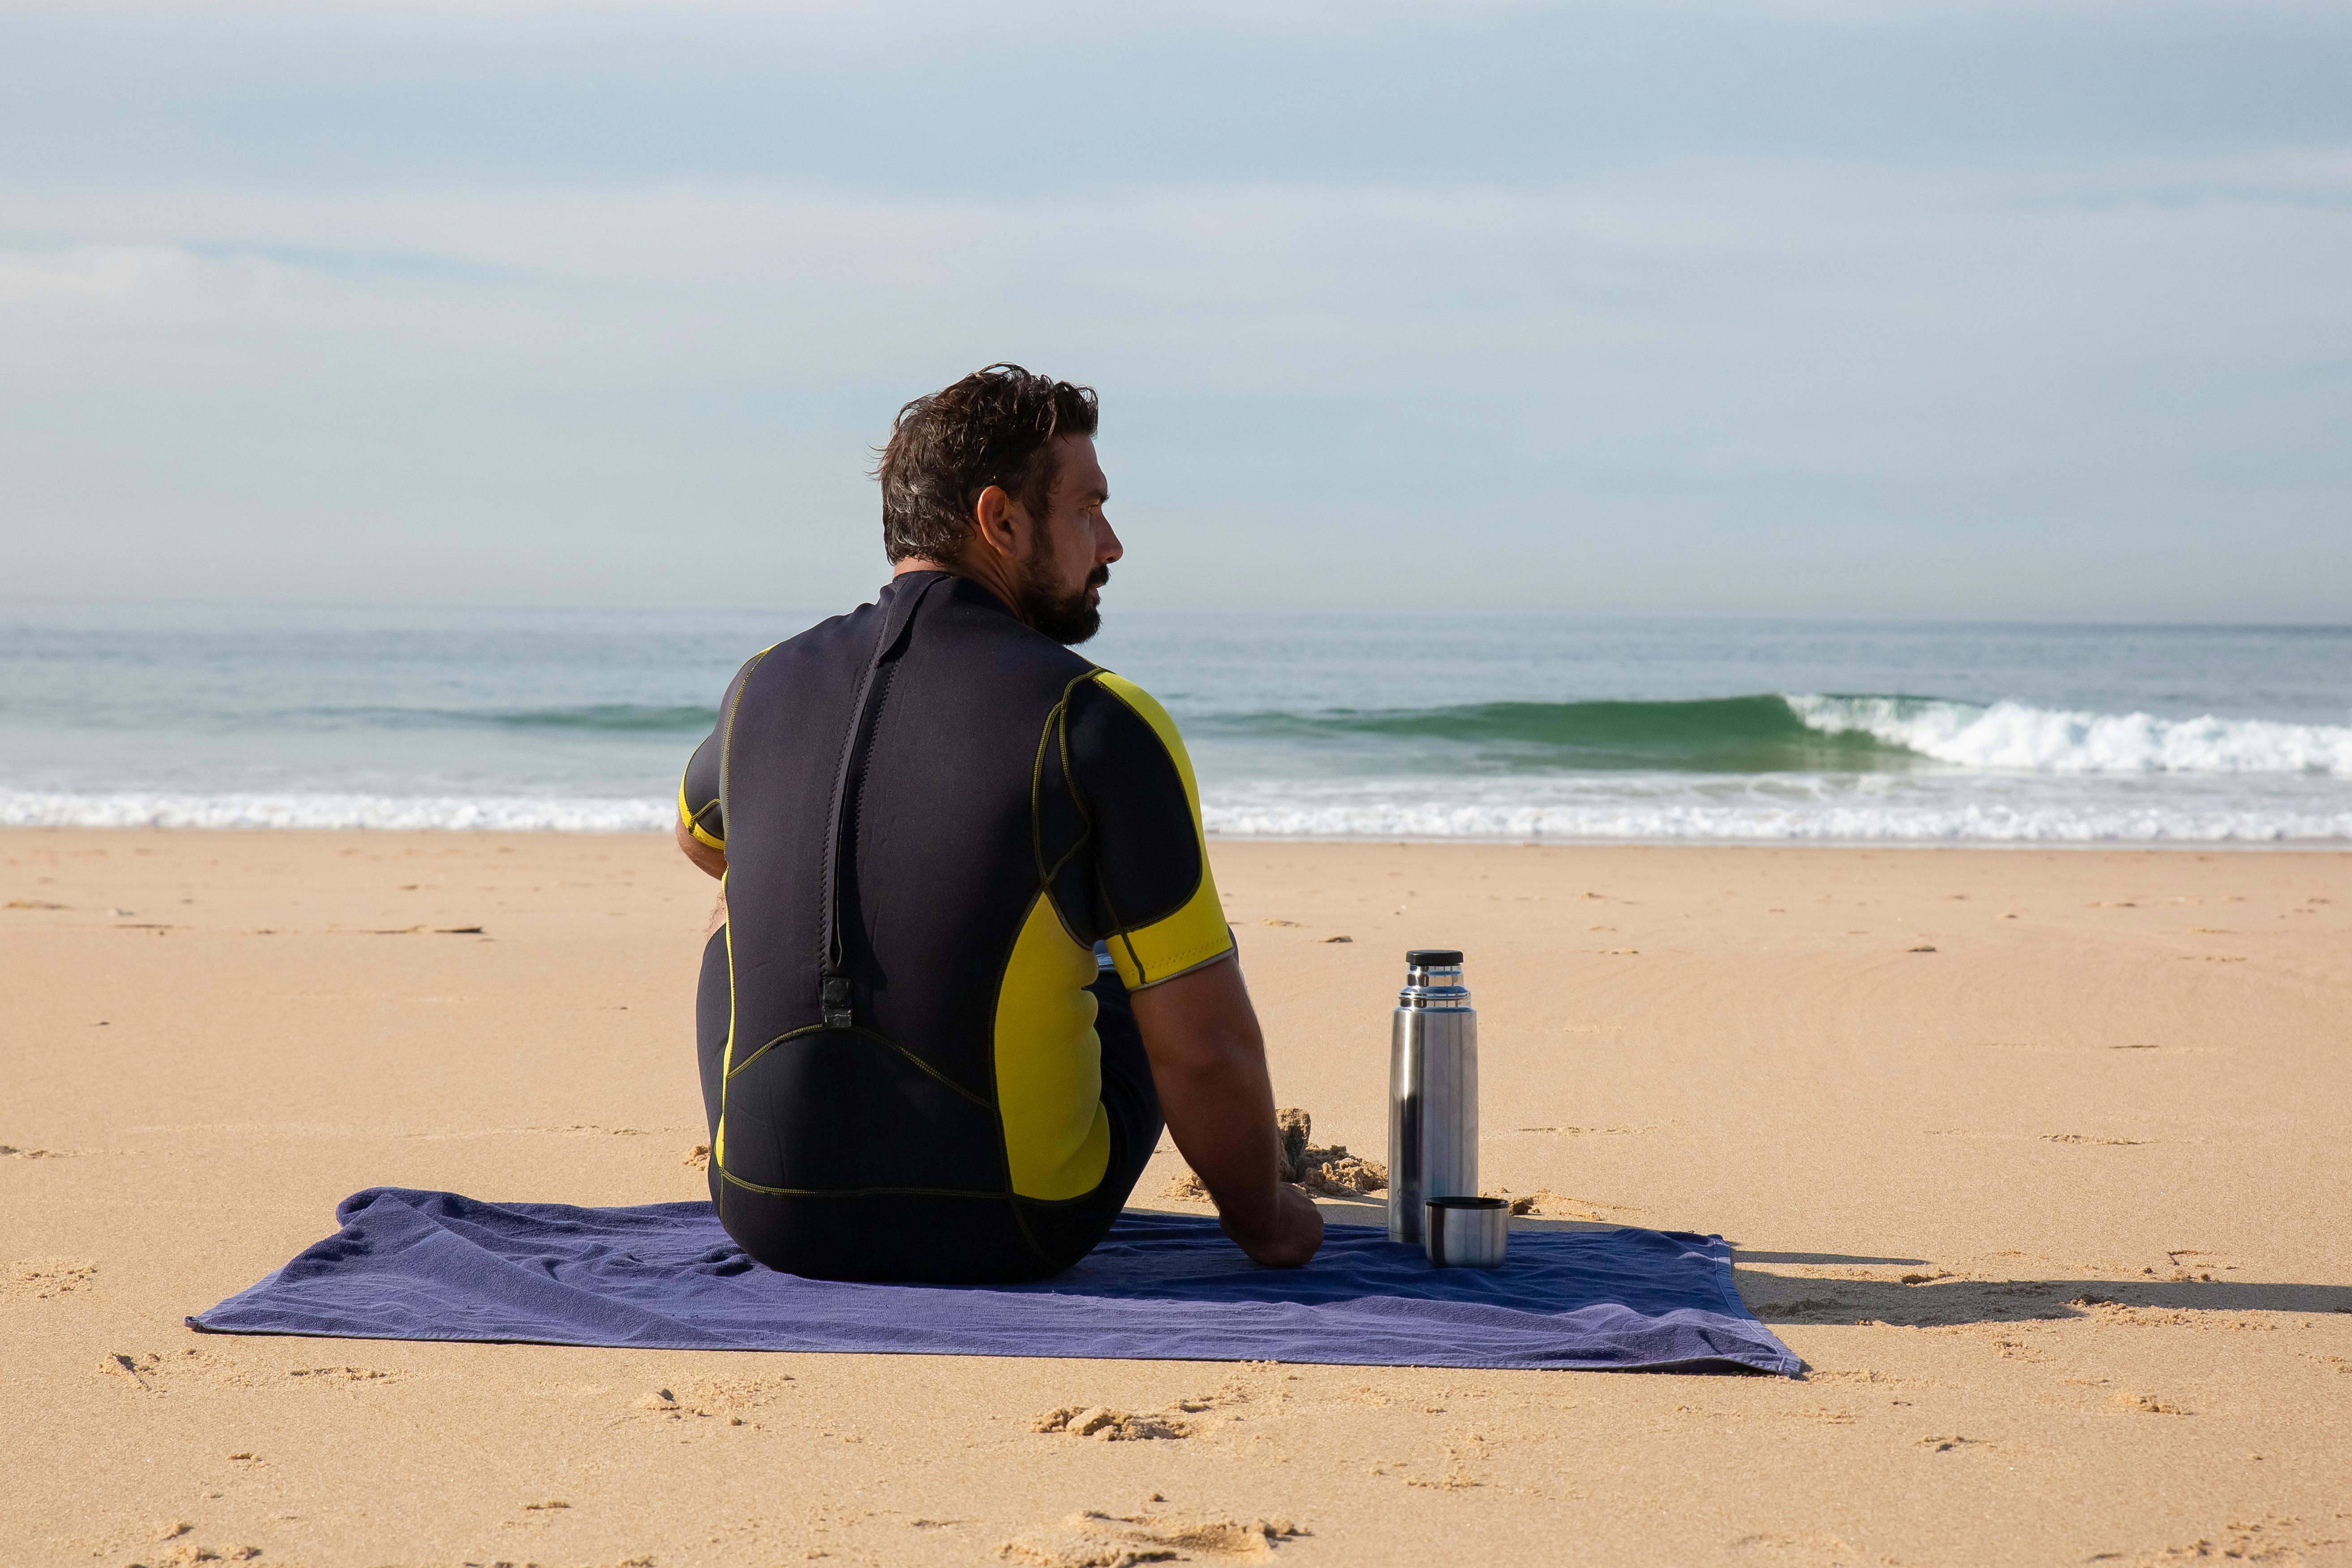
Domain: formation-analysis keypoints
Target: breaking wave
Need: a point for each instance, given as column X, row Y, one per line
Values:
column 1773, row 733
column 2013, row 735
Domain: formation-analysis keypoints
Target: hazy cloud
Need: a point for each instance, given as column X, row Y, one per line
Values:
column 2088, row 368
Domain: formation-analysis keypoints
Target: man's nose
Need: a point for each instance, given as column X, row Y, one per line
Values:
column 1107, row 548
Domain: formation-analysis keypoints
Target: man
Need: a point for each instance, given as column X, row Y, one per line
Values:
column 972, row 953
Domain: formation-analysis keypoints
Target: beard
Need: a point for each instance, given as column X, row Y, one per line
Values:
column 1067, row 618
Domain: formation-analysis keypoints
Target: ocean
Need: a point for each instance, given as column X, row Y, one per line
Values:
column 1301, row 725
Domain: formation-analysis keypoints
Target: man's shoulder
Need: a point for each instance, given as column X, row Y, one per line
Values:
column 818, row 639
column 1124, row 695
column 1112, row 716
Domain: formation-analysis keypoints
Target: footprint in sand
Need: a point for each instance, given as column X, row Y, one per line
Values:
column 189, row 1552
column 1096, row 1540
column 2242, row 1541
column 340, row 1376
column 2151, row 1404
column 1589, row 1131
column 1802, row 1306
column 155, row 1373
column 1545, row 1204
column 1796, row 1550
column 712, row 1399
column 42, row 1278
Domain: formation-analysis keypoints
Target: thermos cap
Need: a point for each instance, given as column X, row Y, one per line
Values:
column 1466, row 1232
column 1432, row 978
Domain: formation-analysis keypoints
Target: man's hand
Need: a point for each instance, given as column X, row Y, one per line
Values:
column 1293, row 1236
column 1208, row 1062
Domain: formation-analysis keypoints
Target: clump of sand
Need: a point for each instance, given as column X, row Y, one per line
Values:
column 1187, row 1185
column 1330, row 1172
column 1107, row 1426
column 1293, row 1128
column 1336, row 1173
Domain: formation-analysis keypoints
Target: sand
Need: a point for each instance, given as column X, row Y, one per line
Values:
column 2038, row 1159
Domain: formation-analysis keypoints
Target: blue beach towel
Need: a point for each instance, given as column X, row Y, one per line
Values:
column 410, row 1265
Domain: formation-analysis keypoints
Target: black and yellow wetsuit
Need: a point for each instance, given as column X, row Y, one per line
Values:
column 931, row 814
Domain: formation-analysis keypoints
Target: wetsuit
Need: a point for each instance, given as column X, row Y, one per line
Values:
column 931, row 814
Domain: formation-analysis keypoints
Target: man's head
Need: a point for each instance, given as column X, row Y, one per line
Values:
column 995, row 477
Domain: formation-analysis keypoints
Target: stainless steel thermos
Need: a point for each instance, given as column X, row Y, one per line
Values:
column 1433, row 1091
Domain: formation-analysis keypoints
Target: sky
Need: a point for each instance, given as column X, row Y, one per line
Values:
column 1805, row 308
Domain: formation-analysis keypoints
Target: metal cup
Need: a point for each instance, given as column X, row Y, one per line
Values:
column 1467, row 1232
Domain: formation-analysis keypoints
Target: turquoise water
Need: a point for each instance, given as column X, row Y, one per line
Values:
column 1430, row 725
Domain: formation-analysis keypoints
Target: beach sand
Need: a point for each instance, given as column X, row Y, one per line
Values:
column 2038, row 1159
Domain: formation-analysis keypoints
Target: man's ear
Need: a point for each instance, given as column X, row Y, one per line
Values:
column 996, row 518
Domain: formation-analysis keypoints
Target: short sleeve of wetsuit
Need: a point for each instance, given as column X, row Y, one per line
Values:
column 1156, row 898
column 701, row 785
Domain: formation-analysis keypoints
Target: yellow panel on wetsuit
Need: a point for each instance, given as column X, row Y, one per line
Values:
column 1169, row 942
column 1049, row 1063
column 692, row 820
column 703, row 785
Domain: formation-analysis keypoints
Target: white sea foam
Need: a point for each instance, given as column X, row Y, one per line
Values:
column 1911, row 825
column 513, row 814
column 1887, row 808
column 1790, row 808
column 2013, row 735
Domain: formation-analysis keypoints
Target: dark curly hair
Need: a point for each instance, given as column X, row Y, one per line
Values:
column 995, row 426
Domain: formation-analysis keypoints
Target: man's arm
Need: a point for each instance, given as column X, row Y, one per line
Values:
column 1208, row 1061
column 701, row 827
column 701, row 832
column 705, row 858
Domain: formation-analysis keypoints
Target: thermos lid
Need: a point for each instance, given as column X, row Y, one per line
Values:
column 1433, row 958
